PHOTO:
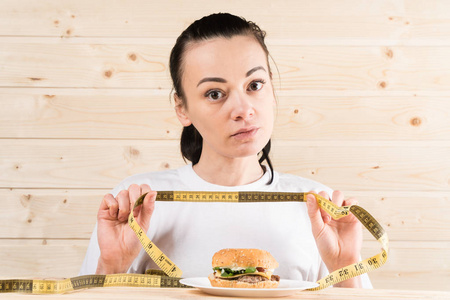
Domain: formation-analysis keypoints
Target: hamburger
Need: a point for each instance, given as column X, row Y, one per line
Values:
column 244, row 268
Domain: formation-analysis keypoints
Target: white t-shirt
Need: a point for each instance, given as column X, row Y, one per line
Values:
column 189, row 233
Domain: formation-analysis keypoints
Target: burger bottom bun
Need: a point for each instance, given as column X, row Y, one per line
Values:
column 217, row 282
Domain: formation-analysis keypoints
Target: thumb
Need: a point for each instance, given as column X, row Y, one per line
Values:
column 146, row 209
column 314, row 214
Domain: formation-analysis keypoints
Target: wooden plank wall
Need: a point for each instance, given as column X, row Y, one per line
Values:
column 363, row 106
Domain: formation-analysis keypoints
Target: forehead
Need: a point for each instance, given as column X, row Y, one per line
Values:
column 221, row 56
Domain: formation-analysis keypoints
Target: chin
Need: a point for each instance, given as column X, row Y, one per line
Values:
column 249, row 149
column 244, row 154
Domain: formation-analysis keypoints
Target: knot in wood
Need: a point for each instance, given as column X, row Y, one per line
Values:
column 416, row 121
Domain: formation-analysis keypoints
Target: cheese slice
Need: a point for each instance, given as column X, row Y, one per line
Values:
column 268, row 275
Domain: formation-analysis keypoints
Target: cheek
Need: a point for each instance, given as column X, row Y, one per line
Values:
column 270, row 109
column 206, row 125
column 269, row 116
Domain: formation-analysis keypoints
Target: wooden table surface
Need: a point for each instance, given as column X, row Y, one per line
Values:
column 166, row 293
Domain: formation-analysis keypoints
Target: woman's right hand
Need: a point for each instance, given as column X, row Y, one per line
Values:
column 118, row 243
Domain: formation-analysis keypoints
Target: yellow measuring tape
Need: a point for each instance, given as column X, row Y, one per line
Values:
column 171, row 274
column 88, row 281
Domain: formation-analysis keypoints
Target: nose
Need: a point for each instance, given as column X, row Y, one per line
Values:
column 241, row 106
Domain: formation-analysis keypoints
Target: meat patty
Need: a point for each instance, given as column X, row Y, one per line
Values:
column 251, row 278
column 275, row 278
column 256, row 278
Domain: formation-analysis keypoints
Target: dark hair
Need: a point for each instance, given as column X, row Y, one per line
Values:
column 215, row 25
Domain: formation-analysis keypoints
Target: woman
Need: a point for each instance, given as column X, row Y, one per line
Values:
column 225, row 101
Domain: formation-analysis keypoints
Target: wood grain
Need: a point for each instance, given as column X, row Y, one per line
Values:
column 362, row 90
column 103, row 163
column 321, row 22
column 300, row 67
column 71, row 213
column 363, row 165
column 423, row 263
column 420, row 263
column 49, row 213
column 409, row 215
column 168, row 293
column 41, row 258
column 122, row 116
column 75, row 163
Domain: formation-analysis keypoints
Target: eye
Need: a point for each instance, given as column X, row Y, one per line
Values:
column 214, row 95
column 256, row 85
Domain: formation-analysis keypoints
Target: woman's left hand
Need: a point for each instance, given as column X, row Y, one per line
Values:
column 339, row 241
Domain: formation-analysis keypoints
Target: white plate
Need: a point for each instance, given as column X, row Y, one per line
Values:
column 285, row 288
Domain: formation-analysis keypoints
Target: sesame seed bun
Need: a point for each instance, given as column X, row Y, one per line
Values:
column 234, row 258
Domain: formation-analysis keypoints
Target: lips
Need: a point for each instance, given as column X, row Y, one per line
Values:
column 245, row 134
column 245, row 130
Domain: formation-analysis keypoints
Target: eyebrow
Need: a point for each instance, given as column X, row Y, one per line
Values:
column 219, row 79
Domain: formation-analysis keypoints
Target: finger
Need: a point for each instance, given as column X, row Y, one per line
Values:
column 324, row 194
column 325, row 216
column 146, row 209
column 123, row 198
column 110, row 204
column 134, row 191
column 338, row 198
column 149, row 204
column 314, row 214
column 351, row 217
column 350, row 202
column 145, row 188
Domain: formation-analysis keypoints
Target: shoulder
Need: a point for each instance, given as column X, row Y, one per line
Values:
column 157, row 180
column 150, row 177
column 294, row 183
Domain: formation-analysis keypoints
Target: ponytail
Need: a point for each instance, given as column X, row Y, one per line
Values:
column 191, row 144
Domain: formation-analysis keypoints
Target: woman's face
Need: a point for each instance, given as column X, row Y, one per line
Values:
column 229, row 94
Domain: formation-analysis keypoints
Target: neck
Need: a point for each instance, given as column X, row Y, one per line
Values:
column 229, row 171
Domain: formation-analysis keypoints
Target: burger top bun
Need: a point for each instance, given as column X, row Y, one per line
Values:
column 233, row 258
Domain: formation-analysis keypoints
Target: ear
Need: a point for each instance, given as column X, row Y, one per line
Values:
column 181, row 112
